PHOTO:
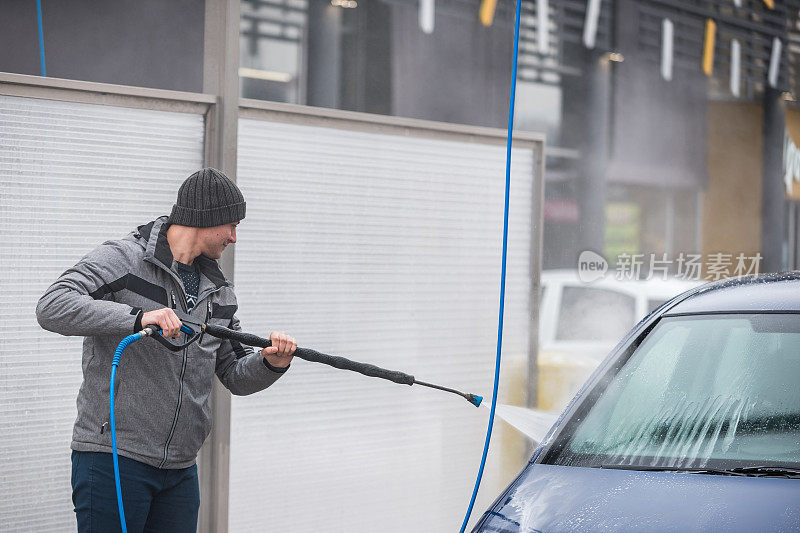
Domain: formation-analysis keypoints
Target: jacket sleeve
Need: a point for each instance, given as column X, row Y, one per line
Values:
column 243, row 370
column 79, row 302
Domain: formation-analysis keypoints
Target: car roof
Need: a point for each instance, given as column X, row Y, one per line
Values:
column 763, row 293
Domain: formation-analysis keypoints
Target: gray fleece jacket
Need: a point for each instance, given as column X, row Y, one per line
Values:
column 161, row 397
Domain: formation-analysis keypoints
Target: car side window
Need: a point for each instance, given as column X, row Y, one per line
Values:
column 594, row 314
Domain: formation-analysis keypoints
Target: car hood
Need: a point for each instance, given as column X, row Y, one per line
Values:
column 547, row 498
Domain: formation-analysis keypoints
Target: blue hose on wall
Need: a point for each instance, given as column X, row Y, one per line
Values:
column 502, row 272
column 41, row 36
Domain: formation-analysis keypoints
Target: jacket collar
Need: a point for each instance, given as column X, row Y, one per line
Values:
column 157, row 250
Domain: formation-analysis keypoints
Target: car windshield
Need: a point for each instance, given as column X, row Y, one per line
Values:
column 703, row 391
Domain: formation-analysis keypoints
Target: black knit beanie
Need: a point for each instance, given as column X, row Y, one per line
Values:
column 208, row 198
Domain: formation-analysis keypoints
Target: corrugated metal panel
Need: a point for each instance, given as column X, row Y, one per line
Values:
column 385, row 249
column 71, row 176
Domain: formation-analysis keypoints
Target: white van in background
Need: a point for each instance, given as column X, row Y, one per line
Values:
column 579, row 324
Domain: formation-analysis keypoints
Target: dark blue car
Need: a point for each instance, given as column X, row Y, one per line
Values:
column 692, row 423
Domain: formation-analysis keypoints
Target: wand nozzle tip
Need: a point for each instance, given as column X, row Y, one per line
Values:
column 474, row 399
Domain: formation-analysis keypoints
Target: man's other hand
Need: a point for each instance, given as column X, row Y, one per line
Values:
column 166, row 319
column 280, row 353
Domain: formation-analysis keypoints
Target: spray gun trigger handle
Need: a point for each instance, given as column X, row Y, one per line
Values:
column 155, row 332
column 153, row 328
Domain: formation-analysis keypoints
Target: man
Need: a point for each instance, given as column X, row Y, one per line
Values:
column 162, row 412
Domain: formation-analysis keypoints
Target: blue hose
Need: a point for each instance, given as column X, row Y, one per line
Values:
column 127, row 341
column 502, row 271
column 41, row 36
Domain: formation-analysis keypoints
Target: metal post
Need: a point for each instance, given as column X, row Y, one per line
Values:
column 324, row 54
column 366, row 67
column 791, row 235
column 773, row 195
column 592, row 186
column 221, row 78
column 534, row 298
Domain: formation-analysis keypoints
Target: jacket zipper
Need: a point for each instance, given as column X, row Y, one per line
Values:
column 180, row 393
column 177, row 411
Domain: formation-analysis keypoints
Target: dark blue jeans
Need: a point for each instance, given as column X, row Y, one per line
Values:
column 155, row 499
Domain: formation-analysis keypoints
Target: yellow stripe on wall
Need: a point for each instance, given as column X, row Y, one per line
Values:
column 770, row 3
column 708, row 47
column 486, row 13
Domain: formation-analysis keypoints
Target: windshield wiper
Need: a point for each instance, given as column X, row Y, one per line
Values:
column 748, row 471
column 756, row 471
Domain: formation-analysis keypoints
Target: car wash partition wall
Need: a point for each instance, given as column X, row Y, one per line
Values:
column 374, row 237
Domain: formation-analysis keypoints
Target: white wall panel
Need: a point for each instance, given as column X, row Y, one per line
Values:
column 385, row 249
column 71, row 176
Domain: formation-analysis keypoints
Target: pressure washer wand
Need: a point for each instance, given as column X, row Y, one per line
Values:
column 334, row 361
